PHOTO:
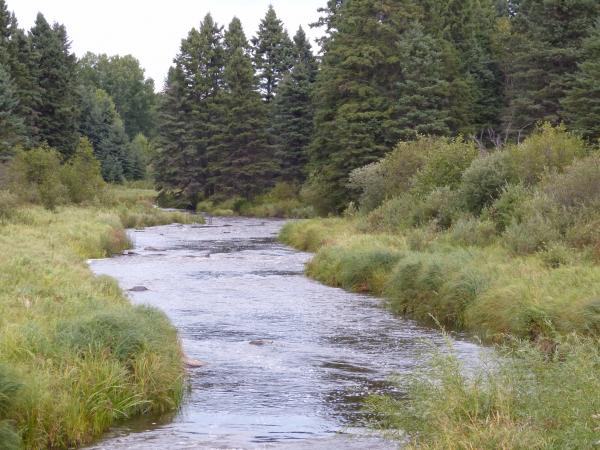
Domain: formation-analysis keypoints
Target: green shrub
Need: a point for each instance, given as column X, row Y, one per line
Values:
column 82, row 174
column 472, row 231
column 556, row 255
column 578, row 186
column 393, row 214
column 393, row 175
column 36, row 177
column 548, row 149
column 485, row 180
column 533, row 234
column 445, row 165
column 508, row 207
column 8, row 204
column 439, row 207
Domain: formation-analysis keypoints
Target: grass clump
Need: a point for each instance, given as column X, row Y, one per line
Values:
column 81, row 355
column 522, row 399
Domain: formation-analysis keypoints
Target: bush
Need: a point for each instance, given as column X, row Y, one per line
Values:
column 547, row 149
column 578, row 186
column 82, row 174
column 36, row 177
column 392, row 175
column 8, row 204
column 485, row 180
column 445, row 165
column 508, row 207
column 439, row 207
column 393, row 214
column 533, row 234
column 471, row 231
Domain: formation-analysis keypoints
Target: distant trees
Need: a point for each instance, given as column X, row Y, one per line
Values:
column 48, row 98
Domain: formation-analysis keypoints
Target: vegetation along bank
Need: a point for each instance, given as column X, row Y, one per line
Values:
column 75, row 355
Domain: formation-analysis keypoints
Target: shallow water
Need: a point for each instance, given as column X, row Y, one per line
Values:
column 229, row 283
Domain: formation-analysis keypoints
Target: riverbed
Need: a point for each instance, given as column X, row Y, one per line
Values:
column 288, row 361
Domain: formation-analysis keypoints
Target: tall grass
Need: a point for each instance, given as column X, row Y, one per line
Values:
column 80, row 355
column 521, row 399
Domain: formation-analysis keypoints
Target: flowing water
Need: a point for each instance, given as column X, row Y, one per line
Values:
column 230, row 283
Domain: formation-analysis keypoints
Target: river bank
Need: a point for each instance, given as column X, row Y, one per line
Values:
column 75, row 355
column 542, row 392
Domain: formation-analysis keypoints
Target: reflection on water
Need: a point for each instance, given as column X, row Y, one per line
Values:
column 320, row 350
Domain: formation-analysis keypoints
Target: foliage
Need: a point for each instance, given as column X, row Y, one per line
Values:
column 82, row 174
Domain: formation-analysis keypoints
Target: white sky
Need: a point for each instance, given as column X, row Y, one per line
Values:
column 151, row 30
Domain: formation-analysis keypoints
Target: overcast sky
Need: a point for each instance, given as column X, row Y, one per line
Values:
column 152, row 30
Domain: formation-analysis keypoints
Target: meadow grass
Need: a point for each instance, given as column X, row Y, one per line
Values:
column 75, row 355
column 538, row 390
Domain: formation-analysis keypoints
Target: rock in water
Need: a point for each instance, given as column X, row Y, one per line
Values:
column 260, row 342
column 139, row 289
column 193, row 363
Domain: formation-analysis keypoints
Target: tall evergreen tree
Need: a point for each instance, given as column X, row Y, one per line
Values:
column 292, row 113
column 423, row 105
column 273, row 54
column 582, row 102
column 248, row 165
column 174, row 146
column 102, row 125
column 355, row 91
column 12, row 130
column 542, row 50
column 57, row 105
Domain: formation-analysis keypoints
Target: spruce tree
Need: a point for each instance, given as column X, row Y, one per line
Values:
column 355, row 92
column 248, row 166
column 174, row 135
column 273, row 54
column 423, row 105
column 292, row 113
column 541, row 53
column 102, row 125
column 12, row 130
column 56, row 107
column 582, row 103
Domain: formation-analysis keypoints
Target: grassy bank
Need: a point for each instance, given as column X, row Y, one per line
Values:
column 502, row 244
column 75, row 355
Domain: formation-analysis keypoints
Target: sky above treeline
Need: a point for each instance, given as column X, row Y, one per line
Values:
column 152, row 30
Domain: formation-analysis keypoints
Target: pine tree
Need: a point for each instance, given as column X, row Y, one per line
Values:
column 12, row 130
column 582, row 103
column 57, row 106
column 355, row 91
column 272, row 51
column 329, row 20
column 248, row 166
column 542, row 51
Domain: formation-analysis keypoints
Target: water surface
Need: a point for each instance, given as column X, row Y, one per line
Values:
column 229, row 283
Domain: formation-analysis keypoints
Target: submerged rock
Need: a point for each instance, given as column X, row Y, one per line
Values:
column 139, row 289
column 260, row 342
column 193, row 363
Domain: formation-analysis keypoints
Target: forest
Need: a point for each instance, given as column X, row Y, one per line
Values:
column 445, row 152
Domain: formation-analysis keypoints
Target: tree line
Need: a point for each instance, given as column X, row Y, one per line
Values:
column 49, row 98
column 236, row 117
